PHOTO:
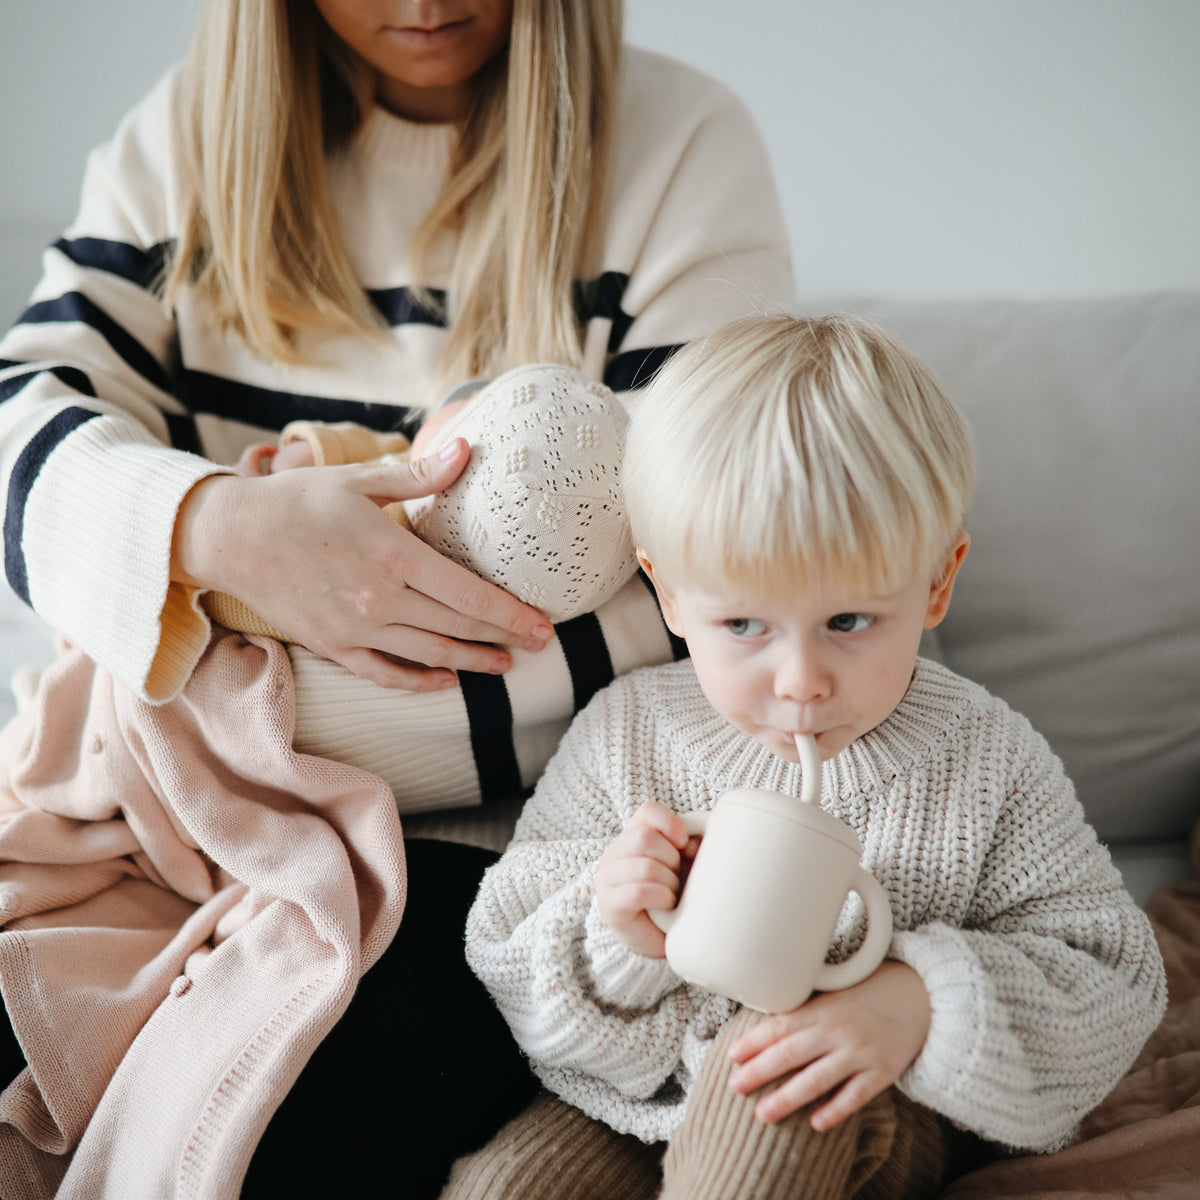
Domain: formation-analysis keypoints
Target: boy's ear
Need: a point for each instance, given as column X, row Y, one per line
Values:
column 942, row 586
column 666, row 599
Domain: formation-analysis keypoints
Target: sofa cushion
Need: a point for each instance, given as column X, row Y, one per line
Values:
column 1080, row 600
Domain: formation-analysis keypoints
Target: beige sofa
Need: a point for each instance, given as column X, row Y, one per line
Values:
column 1080, row 600
column 1080, row 604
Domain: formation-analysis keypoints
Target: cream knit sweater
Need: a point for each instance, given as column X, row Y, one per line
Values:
column 114, row 408
column 1044, row 976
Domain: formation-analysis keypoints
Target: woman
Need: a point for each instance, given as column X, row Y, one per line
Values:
column 339, row 210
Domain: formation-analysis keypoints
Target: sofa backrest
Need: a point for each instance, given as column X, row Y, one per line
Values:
column 1080, row 600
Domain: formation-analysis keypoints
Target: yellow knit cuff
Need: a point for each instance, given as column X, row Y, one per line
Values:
column 335, row 443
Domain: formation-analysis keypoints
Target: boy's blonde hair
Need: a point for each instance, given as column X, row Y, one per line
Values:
column 779, row 448
column 270, row 92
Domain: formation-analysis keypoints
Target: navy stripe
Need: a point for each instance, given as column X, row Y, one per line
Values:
column 268, row 409
column 72, row 377
column 74, row 306
column 635, row 368
column 182, row 433
column 399, row 306
column 600, row 299
column 181, row 428
column 489, row 712
column 588, row 660
column 146, row 268
column 25, row 473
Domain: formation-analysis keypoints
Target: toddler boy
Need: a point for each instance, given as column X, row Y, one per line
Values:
column 798, row 493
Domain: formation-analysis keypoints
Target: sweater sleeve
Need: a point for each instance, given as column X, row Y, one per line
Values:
column 597, row 1020
column 1046, row 993
column 334, row 443
column 696, row 235
column 93, row 440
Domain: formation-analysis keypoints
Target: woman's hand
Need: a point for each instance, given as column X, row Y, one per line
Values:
column 313, row 554
column 853, row 1043
column 640, row 869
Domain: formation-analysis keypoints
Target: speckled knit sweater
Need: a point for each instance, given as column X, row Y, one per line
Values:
column 1044, row 976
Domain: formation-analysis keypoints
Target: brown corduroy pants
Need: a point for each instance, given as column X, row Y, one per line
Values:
column 892, row 1149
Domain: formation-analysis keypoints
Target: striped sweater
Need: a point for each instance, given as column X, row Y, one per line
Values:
column 112, row 410
column 1043, row 975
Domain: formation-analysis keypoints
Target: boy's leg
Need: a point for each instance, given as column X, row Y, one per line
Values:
column 890, row 1150
column 552, row 1151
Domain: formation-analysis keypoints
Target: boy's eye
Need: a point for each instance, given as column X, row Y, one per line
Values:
column 850, row 622
column 744, row 626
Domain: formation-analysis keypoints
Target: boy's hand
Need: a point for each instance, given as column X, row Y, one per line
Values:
column 854, row 1043
column 640, row 869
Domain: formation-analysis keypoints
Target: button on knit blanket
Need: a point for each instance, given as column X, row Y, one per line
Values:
column 186, row 907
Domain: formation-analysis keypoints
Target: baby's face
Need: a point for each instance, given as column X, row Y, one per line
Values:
column 832, row 661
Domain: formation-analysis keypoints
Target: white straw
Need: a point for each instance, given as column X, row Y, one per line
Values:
column 810, row 765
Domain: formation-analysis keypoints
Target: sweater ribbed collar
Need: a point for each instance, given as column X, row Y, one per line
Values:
column 389, row 141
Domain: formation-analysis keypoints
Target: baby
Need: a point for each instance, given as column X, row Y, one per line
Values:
column 798, row 491
column 537, row 510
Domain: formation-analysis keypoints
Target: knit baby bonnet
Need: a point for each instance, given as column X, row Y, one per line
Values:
column 538, row 509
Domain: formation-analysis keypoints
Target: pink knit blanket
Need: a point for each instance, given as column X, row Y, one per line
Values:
column 186, row 907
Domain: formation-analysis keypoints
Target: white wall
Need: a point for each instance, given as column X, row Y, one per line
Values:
column 1030, row 147
column 68, row 71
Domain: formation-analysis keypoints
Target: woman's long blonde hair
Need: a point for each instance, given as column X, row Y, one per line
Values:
column 270, row 91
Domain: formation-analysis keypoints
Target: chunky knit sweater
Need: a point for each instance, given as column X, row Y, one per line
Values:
column 114, row 409
column 1043, row 975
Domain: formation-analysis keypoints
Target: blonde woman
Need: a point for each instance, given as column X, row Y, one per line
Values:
column 333, row 210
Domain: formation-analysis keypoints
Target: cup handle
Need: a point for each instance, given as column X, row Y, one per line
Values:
column 834, row 976
column 696, row 823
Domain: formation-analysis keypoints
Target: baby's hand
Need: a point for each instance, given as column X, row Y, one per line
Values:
column 640, row 869
column 265, row 458
column 858, row 1042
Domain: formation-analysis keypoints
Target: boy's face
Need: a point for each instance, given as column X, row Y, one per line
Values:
column 832, row 661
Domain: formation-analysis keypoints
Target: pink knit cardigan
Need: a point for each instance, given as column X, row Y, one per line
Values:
column 186, row 906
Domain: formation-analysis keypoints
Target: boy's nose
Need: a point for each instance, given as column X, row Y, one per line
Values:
column 802, row 677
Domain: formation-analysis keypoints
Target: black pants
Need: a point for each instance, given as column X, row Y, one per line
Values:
column 420, row 1070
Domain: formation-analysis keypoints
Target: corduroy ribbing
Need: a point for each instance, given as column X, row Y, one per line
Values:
column 552, row 1150
column 892, row 1149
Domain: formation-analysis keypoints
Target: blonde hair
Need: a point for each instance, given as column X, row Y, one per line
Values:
column 779, row 448
column 270, row 91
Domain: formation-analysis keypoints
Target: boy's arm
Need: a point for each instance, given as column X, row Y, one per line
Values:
column 1045, row 995
column 577, row 999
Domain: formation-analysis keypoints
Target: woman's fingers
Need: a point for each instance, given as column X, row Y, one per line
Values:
column 390, row 673
column 474, row 610
column 447, row 598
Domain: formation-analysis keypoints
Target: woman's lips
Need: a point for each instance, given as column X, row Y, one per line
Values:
column 429, row 38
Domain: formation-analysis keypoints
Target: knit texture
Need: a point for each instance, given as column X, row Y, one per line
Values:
column 538, row 509
column 115, row 408
column 890, row 1150
column 187, row 905
column 1043, row 975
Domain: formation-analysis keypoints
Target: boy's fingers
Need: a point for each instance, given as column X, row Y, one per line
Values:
column 768, row 1032
column 662, row 820
column 857, row 1093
